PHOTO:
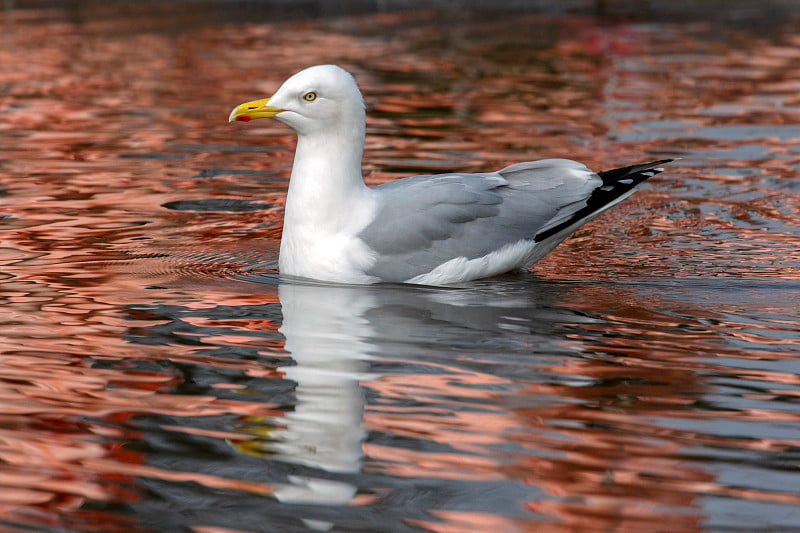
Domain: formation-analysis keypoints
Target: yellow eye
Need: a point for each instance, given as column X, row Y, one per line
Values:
column 310, row 96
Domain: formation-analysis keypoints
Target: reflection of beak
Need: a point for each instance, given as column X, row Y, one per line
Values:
column 255, row 109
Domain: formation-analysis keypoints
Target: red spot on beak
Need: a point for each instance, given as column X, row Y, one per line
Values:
column 243, row 118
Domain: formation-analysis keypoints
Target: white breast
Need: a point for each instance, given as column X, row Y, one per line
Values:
column 322, row 246
column 325, row 256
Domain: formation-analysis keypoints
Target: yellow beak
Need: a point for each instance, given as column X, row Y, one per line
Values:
column 255, row 109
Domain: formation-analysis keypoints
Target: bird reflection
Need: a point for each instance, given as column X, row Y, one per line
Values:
column 335, row 332
column 325, row 334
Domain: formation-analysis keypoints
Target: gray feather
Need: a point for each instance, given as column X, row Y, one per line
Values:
column 425, row 221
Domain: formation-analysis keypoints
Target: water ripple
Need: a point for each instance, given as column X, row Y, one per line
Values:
column 158, row 375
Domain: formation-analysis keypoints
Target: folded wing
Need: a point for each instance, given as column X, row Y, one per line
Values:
column 425, row 221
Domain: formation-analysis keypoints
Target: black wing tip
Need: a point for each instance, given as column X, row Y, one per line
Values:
column 642, row 171
column 616, row 183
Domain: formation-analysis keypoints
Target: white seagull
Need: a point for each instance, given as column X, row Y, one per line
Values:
column 431, row 230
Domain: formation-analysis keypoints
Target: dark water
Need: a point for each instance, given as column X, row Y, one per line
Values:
column 155, row 374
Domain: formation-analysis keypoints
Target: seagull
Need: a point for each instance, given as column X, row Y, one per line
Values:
column 430, row 230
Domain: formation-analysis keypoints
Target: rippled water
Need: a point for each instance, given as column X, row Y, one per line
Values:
column 155, row 374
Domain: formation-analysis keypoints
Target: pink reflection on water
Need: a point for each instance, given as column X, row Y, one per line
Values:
column 102, row 126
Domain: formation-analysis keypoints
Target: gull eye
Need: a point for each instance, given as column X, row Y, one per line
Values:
column 310, row 96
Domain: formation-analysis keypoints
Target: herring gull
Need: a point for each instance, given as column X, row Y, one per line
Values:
column 433, row 230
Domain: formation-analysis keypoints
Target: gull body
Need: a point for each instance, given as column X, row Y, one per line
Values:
column 434, row 230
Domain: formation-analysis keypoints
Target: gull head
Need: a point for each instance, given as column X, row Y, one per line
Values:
column 323, row 98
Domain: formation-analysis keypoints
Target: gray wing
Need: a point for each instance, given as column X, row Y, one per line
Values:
column 425, row 221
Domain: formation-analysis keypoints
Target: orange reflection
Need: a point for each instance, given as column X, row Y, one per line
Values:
column 124, row 192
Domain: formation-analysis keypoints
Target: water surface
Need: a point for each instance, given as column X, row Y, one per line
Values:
column 157, row 375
